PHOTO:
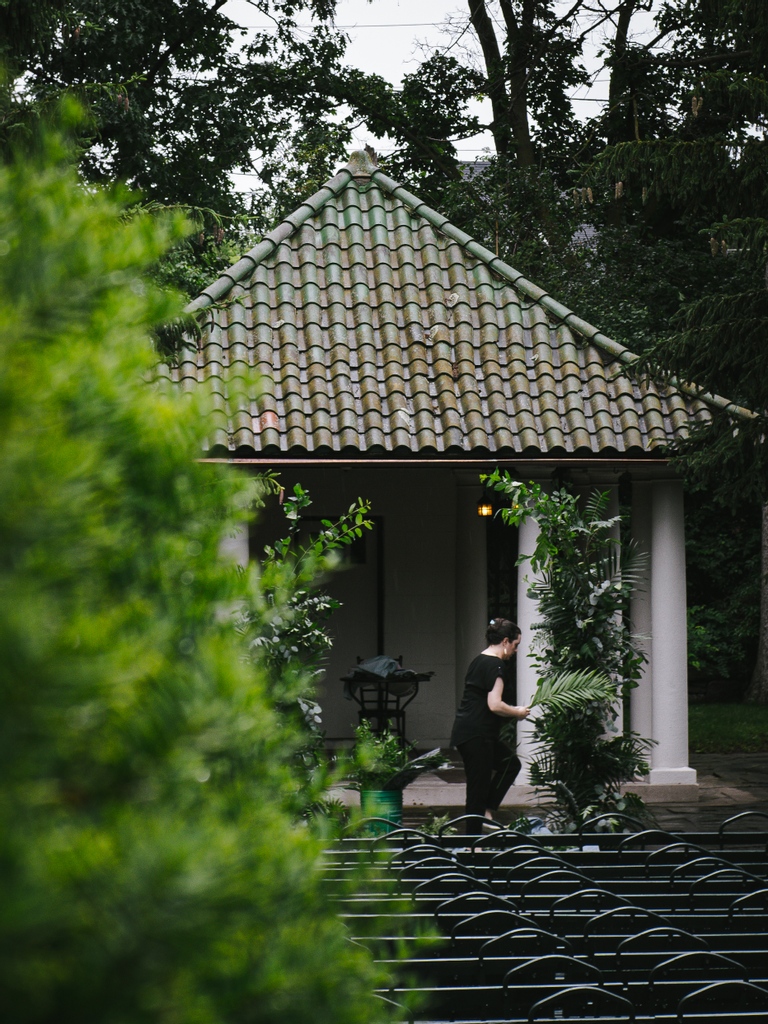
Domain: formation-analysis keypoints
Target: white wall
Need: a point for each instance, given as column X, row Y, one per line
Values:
column 430, row 547
column 417, row 507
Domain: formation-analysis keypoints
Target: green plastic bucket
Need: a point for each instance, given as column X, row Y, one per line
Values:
column 382, row 803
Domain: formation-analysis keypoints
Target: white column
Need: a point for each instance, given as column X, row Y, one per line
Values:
column 669, row 643
column 612, row 512
column 641, row 699
column 526, row 673
column 235, row 547
column 471, row 581
column 612, row 508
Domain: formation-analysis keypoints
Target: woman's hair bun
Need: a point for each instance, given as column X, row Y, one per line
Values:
column 499, row 629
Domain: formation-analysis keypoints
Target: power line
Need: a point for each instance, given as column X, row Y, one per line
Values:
column 388, row 24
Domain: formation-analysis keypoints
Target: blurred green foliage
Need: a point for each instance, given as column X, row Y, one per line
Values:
column 152, row 868
column 722, row 548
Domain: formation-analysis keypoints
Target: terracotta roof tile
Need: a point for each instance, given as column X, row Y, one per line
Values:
column 366, row 322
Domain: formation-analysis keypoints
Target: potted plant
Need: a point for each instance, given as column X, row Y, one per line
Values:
column 380, row 768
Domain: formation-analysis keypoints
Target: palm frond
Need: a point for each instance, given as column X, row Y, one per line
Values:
column 594, row 509
column 572, row 689
column 430, row 762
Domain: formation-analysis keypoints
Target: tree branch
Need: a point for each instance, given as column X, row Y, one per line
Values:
column 494, row 65
column 164, row 58
column 694, row 61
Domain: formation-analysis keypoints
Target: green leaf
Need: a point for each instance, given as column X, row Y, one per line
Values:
column 573, row 689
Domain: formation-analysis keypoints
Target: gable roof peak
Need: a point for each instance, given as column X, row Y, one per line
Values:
column 503, row 311
column 361, row 164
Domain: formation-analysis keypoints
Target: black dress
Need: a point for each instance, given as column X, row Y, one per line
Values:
column 491, row 767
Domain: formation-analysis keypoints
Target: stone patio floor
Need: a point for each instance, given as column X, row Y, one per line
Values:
column 727, row 785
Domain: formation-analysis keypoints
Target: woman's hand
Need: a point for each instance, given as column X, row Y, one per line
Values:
column 498, row 706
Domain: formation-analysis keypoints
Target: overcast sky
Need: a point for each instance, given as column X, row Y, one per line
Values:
column 390, row 37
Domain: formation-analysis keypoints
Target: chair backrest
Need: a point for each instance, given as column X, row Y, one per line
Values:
column 473, row 902
column 450, row 883
column 755, row 900
column 540, row 861
column 724, row 996
column 416, row 852
column 623, row 921
column 699, row 965
column 490, row 922
column 649, row 835
column 552, row 883
column 475, row 820
column 577, row 1003
column 509, row 858
column 662, row 938
column 507, row 837
column 592, row 825
column 426, row 866
column 553, row 968
column 724, row 880
column 528, row 941
column 742, row 818
column 665, row 852
column 401, row 835
column 586, row 901
column 697, row 867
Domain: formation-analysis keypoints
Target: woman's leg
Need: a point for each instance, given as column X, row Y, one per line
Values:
column 477, row 755
column 506, row 765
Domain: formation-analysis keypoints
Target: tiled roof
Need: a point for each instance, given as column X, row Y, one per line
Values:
column 367, row 325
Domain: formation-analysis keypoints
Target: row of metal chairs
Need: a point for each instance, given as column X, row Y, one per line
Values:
column 648, row 925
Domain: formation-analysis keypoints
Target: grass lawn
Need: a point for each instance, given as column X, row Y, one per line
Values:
column 727, row 728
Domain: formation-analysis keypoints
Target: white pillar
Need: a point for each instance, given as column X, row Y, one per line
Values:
column 235, row 547
column 526, row 672
column 641, row 699
column 471, row 581
column 669, row 642
column 611, row 512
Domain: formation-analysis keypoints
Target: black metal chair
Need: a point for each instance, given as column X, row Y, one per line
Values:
column 489, row 922
column 528, row 941
column 555, row 967
column 477, row 900
column 578, row 1003
column 723, row 997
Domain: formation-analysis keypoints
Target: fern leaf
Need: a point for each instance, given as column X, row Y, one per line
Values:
column 572, row 689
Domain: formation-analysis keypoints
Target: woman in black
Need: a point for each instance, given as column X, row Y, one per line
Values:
column 491, row 767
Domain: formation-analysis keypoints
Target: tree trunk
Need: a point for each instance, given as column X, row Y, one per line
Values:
column 758, row 688
column 494, row 68
column 519, row 118
column 619, row 104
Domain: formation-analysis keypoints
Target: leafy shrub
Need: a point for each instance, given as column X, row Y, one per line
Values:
column 382, row 761
column 722, row 554
column 582, row 588
column 152, row 867
column 283, row 624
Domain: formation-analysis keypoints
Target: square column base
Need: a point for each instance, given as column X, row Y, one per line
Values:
column 672, row 776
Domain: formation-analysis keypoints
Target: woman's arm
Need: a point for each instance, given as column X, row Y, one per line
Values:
column 497, row 705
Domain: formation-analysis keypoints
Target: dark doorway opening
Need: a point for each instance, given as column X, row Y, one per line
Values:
column 502, row 551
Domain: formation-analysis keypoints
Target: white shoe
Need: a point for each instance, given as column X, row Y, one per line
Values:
column 491, row 826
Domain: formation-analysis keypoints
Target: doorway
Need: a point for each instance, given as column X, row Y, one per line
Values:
column 501, row 568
